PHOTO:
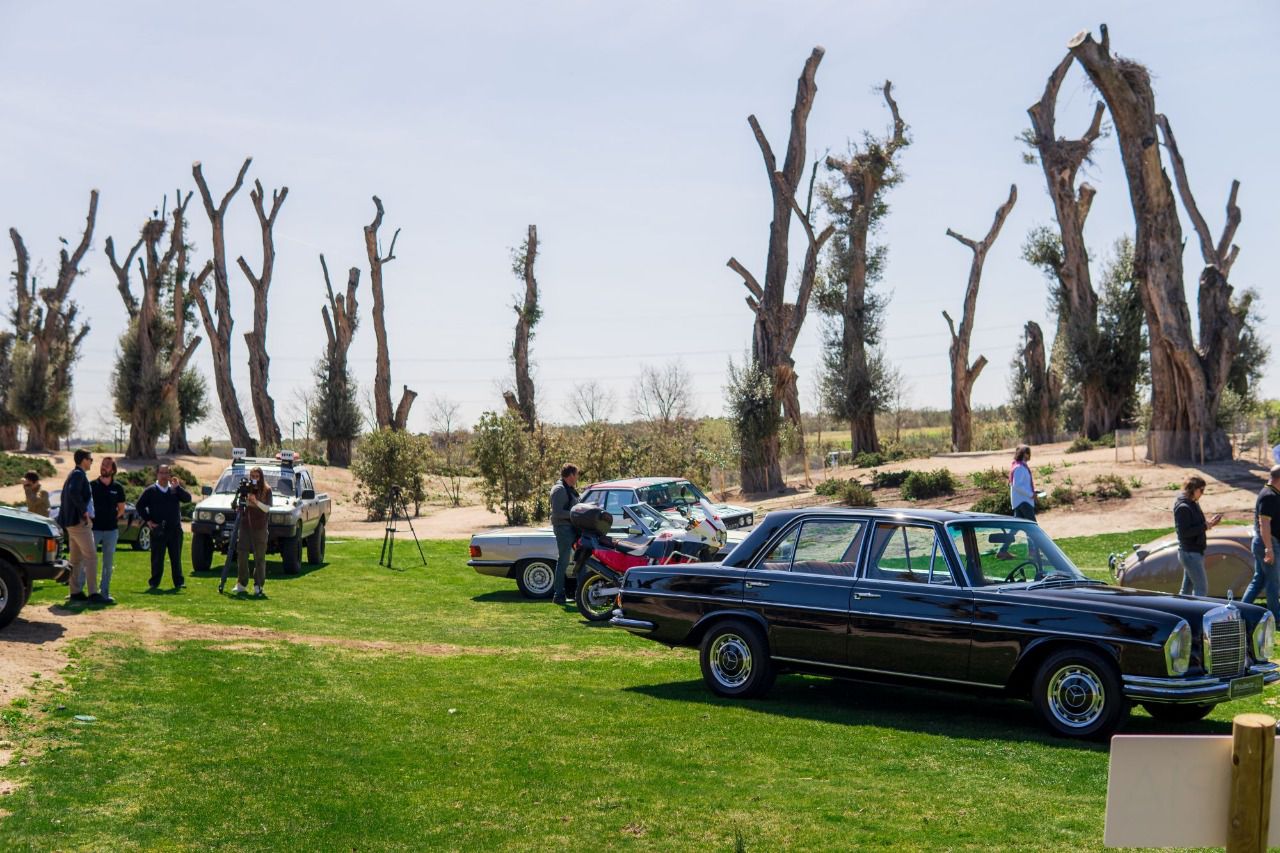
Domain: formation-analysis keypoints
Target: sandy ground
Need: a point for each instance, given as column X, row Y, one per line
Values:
column 1232, row 487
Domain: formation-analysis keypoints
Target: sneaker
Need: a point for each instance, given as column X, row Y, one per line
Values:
column 99, row 598
column 239, row 590
column 257, row 590
column 107, row 599
column 221, row 587
column 78, row 596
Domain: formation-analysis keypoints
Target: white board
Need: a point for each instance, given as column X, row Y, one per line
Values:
column 1172, row 791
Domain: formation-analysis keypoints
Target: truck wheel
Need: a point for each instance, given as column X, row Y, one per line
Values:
column 735, row 661
column 291, row 553
column 12, row 593
column 1078, row 694
column 143, row 542
column 536, row 579
column 315, row 545
column 27, row 586
column 201, row 550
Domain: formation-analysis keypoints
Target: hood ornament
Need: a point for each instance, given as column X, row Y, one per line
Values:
column 1231, row 599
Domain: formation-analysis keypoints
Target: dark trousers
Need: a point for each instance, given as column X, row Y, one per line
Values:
column 565, row 537
column 166, row 539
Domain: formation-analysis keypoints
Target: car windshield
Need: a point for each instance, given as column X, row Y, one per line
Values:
column 281, row 483
column 665, row 496
column 653, row 519
column 996, row 553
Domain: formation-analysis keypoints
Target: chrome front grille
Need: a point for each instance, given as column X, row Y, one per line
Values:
column 1226, row 646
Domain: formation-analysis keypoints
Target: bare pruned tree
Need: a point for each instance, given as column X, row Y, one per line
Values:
column 220, row 331
column 382, row 374
column 264, row 408
column 155, row 352
column 963, row 374
column 1186, row 379
column 47, row 340
column 450, row 446
column 590, row 402
column 869, row 170
column 528, row 313
column 336, row 413
column 1035, row 388
column 663, row 394
column 778, row 323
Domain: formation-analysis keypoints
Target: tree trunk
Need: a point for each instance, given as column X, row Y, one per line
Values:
column 341, row 317
column 9, row 437
column 777, row 324
column 1041, row 414
column 865, row 174
column 527, row 315
column 178, row 443
column 36, row 439
column 963, row 375
column 387, row 419
column 264, row 408
column 1184, row 398
column 220, row 334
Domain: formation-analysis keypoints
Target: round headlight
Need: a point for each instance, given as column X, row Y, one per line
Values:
column 1264, row 637
column 1177, row 649
column 219, row 518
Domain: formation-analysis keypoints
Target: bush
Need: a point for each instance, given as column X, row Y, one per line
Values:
column 387, row 459
column 507, row 459
column 1062, row 496
column 1107, row 486
column 1079, row 445
column 13, row 466
column 853, row 493
column 830, row 488
column 143, row 477
column 920, row 485
column 995, row 502
column 990, row 480
column 889, row 479
column 868, row 460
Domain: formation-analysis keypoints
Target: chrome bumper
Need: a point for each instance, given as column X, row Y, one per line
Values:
column 1201, row 689
column 493, row 568
column 620, row 621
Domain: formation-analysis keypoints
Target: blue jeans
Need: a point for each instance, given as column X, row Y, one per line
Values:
column 1194, row 580
column 1265, row 576
column 107, row 539
column 565, row 537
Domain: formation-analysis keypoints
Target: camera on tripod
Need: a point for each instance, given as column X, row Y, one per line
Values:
column 241, row 500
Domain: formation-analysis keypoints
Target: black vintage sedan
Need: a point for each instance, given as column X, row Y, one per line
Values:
column 956, row 600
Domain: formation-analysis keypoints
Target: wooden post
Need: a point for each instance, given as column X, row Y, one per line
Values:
column 1252, row 756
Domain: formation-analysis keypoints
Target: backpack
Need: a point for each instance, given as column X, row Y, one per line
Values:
column 591, row 518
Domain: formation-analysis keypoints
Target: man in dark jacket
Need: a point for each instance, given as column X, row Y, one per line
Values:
column 1266, row 543
column 1191, row 525
column 564, row 496
column 75, row 514
column 160, row 508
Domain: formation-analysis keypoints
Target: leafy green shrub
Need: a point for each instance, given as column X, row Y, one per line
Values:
column 1107, row 486
column 1080, row 445
column 889, row 479
column 830, row 488
column 868, row 460
column 1108, row 440
column 853, row 493
column 990, row 480
column 1135, row 482
column 386, row 460
column 996, row 502
column 144, row 477
column 920, row 485
column 1045, row 471
column 13, row 466
column 1062, row 496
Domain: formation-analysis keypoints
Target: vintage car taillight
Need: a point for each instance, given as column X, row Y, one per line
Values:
column 475, row 551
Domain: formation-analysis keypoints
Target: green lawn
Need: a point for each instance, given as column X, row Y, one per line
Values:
column 528, row 730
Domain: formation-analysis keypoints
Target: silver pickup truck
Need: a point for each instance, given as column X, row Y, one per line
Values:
column 298, row 515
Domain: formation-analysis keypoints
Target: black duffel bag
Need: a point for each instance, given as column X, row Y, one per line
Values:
column 591, row 518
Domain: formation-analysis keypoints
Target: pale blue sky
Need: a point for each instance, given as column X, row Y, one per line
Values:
column 621, row 131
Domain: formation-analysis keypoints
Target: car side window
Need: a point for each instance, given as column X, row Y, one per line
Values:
column 907, row 552
column 779, row 557
column 614, row 501
column 828, row 547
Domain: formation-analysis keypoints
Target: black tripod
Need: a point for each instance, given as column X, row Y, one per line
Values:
column 397, row 510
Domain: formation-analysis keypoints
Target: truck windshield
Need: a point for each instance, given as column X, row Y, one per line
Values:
column 281, row 483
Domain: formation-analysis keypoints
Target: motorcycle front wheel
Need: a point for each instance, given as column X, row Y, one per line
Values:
column 594, row 606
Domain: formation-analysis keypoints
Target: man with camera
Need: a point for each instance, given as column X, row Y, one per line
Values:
column 253, row 500
column 160, row 508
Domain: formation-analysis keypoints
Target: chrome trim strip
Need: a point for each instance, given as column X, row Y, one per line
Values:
column 632, row 591
column 476, row 563
column 620, row 621
column 889, row 672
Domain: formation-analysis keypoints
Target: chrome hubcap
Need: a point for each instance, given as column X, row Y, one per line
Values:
column 538, row 577
column 144, row 538
column 730, row 660
column 1076, row 696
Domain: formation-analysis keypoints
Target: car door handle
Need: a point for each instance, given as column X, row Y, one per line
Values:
column 754, row 584
column 858, row 596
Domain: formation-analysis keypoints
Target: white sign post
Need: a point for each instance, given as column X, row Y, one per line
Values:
column 1194, row 790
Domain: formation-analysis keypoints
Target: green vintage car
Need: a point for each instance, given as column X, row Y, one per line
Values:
column 29, row 548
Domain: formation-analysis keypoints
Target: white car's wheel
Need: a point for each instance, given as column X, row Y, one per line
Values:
column 536, row 578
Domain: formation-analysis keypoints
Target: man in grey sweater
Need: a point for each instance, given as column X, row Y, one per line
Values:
column 564, row 496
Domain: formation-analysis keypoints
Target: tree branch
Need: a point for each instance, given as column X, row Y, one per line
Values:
column 747, row 278
column 770, row 162
column 899, row 138
column 1207, row 250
